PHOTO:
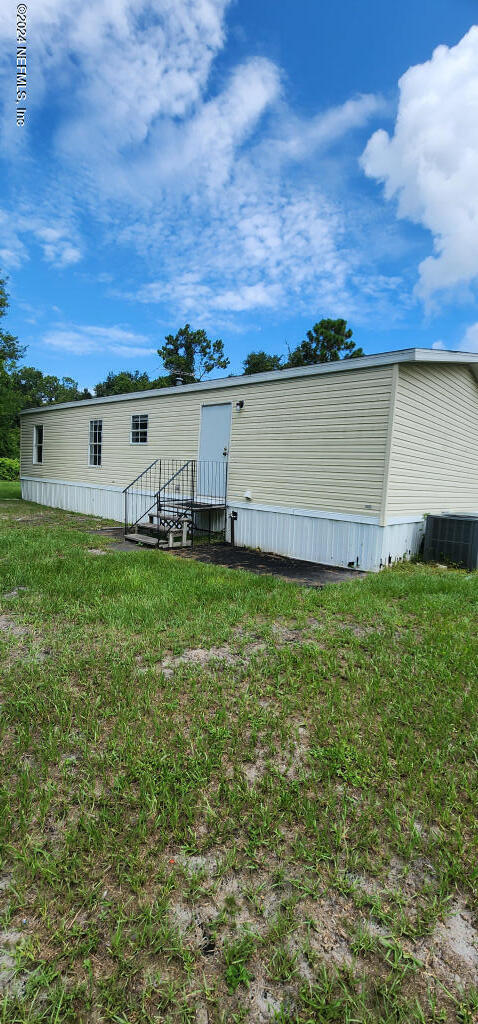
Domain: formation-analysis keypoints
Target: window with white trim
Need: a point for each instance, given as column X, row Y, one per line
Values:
column 38, row 444
column 139, row 428
column 96, row 435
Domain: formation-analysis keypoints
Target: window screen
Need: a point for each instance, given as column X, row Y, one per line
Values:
column 139, row 429
column 96, row 431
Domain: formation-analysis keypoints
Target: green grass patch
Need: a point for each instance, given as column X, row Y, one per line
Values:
column 10, row 489
column 283, row 830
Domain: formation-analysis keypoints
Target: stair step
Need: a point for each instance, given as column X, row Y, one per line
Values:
column 142, row 538
column 168, row 517
column 154, row 530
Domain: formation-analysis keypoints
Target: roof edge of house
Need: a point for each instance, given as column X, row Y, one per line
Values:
column 406, row 355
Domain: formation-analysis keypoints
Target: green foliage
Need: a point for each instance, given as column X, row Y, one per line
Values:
column 126, row 381
column 190, row 355
column 261, row 362
column 10, row 350
column 9, row 469
column 37, row 388
column 10, row 353
column 236, row 955
column 328, row 341
column 24, row 387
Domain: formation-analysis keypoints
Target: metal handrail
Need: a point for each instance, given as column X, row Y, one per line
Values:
column 156, row 503
column 173, row 477
column 135, row 481
column 146, row 493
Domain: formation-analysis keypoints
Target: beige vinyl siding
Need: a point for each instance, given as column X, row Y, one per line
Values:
column 434, row 453
column 315, row 442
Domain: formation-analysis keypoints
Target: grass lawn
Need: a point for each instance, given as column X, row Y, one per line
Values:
column 9, row 489
column 226, row 798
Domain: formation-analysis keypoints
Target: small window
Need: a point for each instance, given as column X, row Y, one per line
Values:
column 139, row 429
column 96, row 432
column 38, row 443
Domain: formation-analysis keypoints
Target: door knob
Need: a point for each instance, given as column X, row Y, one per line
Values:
column 225, row 450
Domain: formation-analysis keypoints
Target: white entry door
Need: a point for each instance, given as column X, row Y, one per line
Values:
column 214, row 450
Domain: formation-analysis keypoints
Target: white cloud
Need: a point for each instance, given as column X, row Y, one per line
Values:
column 10, row 256
column 247, row 255
column 124, row 64
column 12, row 250
column 86, row 339
column 430, row 164
column 60, row 245
column 128, row 352
column 468, row 343
column 217, row 190
column 193, row 297
column 253, row 296
column 58, row 249
column 127, row 60
column 299, row 138
column 113, row 334
column 202, row 149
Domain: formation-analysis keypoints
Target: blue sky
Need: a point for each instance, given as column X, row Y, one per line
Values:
column 247, row 167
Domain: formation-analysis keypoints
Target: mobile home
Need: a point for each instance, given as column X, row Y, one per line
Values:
column 336, row 463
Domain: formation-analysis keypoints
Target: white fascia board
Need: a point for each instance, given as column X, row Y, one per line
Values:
column 442, row 355
column 407, row 355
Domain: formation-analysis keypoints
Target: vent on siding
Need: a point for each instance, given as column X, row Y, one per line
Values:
column 450, row 538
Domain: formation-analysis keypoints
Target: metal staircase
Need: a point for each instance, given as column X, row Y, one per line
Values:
column 172, row 503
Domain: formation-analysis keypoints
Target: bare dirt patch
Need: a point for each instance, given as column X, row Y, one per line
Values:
column 328, row 937
column 14, row 593
column 202, row 1016
column 359, row 630
column 8, row 625
column 254, row 772
column 409, row 878
column 287, row 636
column 11, row 983
column 323, row 923
column 192, row 864
column 96, row 551
column 455, row 940
column 203, row 656
column 287, row 763
column 264, row 1005
column 20, row 652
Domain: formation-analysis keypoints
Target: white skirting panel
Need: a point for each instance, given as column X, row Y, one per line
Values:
column 401, row 541
column 106, row 502
column 316, row 538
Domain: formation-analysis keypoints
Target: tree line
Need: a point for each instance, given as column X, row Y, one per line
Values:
column 187, row 357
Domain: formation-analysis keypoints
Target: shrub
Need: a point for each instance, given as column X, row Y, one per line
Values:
column 9, row 469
